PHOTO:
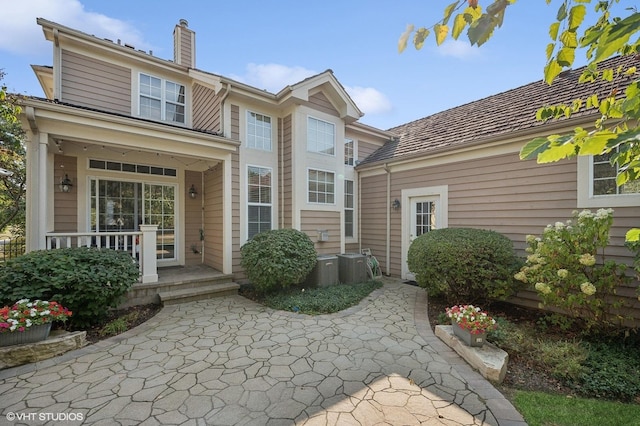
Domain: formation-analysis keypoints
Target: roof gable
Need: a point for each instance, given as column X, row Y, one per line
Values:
column 332, row 91
column 495, row 116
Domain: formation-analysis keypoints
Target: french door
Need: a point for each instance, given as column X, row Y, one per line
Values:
column 424, row 216
column 122, row 206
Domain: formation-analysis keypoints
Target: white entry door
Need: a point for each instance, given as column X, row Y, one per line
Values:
column 427, row 210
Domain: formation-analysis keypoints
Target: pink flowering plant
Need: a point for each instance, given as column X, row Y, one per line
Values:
column 471, row 318
column 26, row 313
column 568, row 268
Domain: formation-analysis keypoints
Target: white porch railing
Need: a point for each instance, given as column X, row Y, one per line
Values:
column 141, row 245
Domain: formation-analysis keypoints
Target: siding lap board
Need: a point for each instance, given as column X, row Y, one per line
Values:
column 96, row 84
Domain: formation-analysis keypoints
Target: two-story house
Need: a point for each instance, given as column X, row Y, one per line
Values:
column 182, row 166
column 126, row 142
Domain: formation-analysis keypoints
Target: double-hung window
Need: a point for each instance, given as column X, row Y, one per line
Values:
column 349, row 152
column 258, row 131
column 162, row 100
column 348, row 209
column 321, row 186
column 321, row 136
column 604, row 178
column 258, row 200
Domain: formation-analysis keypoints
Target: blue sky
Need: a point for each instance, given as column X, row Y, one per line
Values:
column 272, row 44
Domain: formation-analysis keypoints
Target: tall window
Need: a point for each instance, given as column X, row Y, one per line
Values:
column 321, row 136
column 321, row 187
column 604, row 178
column 348, row 152
column 259, row 200
column 258, row 131
column 348, row 208
column 161, row 100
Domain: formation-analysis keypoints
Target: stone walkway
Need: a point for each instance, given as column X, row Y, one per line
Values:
column 231, row 361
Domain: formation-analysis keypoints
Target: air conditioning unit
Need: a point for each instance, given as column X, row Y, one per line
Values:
column 352, row 268
column 325, row 273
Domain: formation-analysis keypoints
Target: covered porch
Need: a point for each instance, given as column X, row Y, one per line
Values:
column 160, row 192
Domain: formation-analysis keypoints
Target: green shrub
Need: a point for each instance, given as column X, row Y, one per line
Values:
column 464, row 265
column 612, row 369
column 278, row 259
column 88, row 281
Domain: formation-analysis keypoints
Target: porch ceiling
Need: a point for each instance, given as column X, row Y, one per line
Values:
column 123, row 134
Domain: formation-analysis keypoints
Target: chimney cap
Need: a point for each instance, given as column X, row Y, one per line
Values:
column 184, row 23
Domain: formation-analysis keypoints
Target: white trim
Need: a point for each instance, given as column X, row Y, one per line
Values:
column 248, row 203
column 334, row 136
column 442, row 193
column 335, row 191
column 246, row 130
column 586, row 199
column 163, row 99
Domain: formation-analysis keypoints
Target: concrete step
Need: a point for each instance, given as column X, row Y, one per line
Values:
column 182, row 295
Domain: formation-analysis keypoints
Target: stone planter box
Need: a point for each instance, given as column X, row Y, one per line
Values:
column 469, row 339
column 32, row 334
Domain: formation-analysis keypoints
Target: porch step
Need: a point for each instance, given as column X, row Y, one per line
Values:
column 183, row 295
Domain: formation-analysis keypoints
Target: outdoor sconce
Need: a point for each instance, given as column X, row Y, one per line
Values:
column 192, row 191
column 395, row 204
column 65, row 184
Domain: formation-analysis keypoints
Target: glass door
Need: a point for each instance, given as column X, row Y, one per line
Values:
column 122, row 206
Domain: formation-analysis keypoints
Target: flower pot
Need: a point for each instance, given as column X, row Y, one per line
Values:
column 35, row 333
column 468, row 338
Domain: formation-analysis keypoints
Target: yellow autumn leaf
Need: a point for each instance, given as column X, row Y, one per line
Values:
column 441, row 32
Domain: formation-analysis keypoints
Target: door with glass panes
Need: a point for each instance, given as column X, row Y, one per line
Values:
column 424, row 213
column 122, row 206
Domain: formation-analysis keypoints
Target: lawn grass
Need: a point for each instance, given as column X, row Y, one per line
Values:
column 320, row 300
column 544, row 409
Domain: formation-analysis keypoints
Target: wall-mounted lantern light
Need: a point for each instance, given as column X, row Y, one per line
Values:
column 65, row 184
column 395, row 204
column 192, row 191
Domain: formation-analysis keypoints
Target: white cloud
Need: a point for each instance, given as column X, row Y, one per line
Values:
column 369, row 100
column 273, row 77
column 21, row 35
column 458, row 49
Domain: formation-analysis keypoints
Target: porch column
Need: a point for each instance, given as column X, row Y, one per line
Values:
column 38, row 191
column 148, row 255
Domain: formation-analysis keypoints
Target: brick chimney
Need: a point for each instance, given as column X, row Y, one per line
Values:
column 184, row 45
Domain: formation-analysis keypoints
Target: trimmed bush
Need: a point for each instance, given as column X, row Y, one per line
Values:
column 278, row 259
column 464, row 265
column 88, row 281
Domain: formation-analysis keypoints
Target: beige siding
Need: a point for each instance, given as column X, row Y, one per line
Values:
column 373, row 219
column 320, row 102
column 314, row 220
column 213, row 217
column 206, row 109
column 235, row 195
column 95, row 84
column 501, row 193
column 352, row 248
column 285, row 169
column 193, row 219
column 65, row 204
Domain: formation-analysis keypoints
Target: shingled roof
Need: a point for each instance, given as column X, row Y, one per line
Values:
column 494, row 116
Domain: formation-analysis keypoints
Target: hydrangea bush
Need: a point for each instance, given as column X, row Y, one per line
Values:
column 568, row 268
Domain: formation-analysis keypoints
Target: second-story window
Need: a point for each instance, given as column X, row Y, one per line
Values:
column 348, row 152
column 162, row 100
column 321, row 136
column 258, row 131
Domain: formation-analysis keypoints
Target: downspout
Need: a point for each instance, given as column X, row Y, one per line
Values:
column 388, row 236
column 281, row 173
column 226, row 90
